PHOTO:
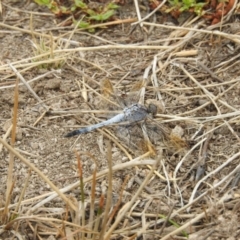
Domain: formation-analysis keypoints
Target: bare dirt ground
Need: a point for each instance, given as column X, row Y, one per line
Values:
column 188, row 68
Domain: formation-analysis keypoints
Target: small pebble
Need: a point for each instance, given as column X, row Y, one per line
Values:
column 32, row 6
column 34, row 145
column 53, row 84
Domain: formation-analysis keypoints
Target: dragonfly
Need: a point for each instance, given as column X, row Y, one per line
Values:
column 131, row 116
column 134, row 113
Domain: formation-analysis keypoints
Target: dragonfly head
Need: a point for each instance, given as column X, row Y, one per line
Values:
column 152, row 108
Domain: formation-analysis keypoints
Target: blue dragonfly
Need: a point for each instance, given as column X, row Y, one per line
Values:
column 130, row 117
column 134, row 113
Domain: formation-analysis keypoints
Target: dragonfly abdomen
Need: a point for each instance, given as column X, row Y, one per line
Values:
column 118, row 118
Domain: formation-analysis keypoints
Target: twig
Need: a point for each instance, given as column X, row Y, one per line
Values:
column 213, row 173
column 31, row 166
column 129, row 204
column 202, row 158
column 212, row 74
column 150, row 14
column 139, row 182
column 167, row 219
column 232, row 37
column 138, row 11
column 27, row 85
column 155, row 82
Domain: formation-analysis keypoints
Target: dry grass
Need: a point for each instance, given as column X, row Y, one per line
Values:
column 184, row 192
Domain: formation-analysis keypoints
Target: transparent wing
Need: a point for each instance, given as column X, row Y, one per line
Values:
column 131, row 114
column 122, row 98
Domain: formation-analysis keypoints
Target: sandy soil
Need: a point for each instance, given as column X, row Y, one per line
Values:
column 71, row 96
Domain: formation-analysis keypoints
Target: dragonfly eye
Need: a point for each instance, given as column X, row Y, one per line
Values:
column 152, row 108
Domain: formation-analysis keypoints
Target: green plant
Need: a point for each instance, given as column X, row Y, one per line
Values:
column 186, row 5
column 53, row 7
column 80, row 8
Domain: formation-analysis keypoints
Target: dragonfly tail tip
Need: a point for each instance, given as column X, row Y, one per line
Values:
column 70, row 134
